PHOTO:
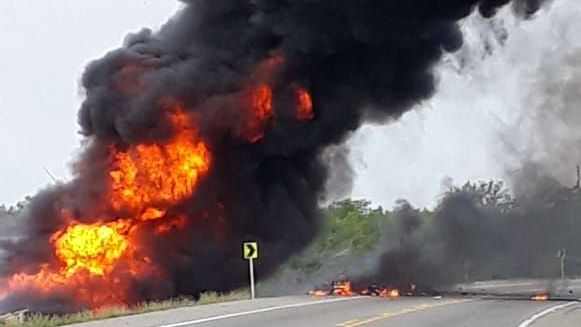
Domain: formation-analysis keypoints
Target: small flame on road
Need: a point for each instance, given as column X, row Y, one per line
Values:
column 318, row 293
column 345, row 288
column 540, row 297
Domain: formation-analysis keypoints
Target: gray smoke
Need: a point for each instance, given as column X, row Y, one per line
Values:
column 474, row 236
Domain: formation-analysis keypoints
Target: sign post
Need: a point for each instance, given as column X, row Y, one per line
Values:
column 250, row 251
column 562, row 254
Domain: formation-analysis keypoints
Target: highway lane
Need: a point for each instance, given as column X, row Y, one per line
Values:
column 569, row 316
column 362, row 311
column 568, row 288
column 476, row 313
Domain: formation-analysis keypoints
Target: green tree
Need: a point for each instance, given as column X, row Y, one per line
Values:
column 487, row 194
column 17, row 208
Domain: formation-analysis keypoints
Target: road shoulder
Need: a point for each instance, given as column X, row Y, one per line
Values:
column 187, row 315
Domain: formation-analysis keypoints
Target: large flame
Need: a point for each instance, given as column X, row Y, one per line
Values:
column 92, row 261
column 148, row 178
column 94, row 248
column 145, row 181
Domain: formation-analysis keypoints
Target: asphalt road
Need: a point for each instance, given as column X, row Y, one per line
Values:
column 568, row 288
column 363, row 311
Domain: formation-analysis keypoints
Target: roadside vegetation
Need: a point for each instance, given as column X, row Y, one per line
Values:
column 39, row 320
column 477, row 231
column 16, row 208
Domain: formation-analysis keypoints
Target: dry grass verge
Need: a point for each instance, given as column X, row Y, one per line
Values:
column 39, row 320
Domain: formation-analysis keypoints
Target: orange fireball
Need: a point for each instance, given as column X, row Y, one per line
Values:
column 145, row 181
column 147, row 178
column 94, row 248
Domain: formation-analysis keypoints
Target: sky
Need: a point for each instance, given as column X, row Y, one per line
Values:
column 45, row 46
column 486, row 118
column 453, row 136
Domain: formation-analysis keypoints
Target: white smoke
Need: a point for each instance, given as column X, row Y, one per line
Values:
column 509, row 96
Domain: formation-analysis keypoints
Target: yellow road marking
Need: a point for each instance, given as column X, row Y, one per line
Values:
column 347, row 323
column 387, row 315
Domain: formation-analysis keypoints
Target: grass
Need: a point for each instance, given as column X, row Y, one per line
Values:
column 40, row 320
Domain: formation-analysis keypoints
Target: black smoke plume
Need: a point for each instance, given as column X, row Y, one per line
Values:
column 360, row 60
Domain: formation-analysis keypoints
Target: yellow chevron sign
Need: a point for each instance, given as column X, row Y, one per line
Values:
column 250, row 250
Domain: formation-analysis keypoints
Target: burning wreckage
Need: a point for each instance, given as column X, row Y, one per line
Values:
column 212, row 131
column 345, row 288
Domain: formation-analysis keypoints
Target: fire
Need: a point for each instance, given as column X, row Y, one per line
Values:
column 540, row 297
column 305, row 105
column 259, row 96
column 339, row 288
column 147, row 178
column 94, row 257
column 390, row 293
column 145, row 181
column 261, row 111
column 318, row 293
column 175, row 223
column 344, row 288
column 382, row 292
column 94, row 248
column 262, row 101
